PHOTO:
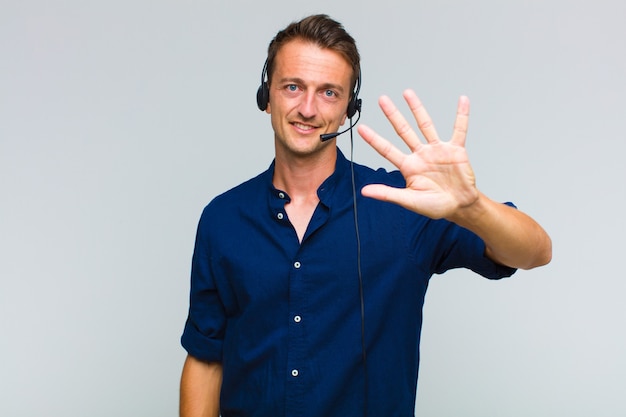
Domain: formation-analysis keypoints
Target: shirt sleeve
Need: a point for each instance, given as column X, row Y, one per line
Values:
column 468, row 251
column 464, row 249
column 204, row 328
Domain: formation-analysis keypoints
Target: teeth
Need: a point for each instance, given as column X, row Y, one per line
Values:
column 303, row 127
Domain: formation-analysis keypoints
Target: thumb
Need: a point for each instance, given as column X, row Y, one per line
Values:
column 383, row 192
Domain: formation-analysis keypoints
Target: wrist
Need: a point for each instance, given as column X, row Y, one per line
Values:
column 473, row 214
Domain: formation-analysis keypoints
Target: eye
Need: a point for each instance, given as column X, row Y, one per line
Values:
column 292, row 87
column 329, row 93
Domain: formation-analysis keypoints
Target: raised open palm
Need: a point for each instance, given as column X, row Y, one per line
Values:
column 439, row 177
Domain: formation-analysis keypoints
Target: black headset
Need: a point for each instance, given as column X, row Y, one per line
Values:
column 263, row 94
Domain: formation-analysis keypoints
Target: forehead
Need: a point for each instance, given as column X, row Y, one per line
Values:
column 306, row 60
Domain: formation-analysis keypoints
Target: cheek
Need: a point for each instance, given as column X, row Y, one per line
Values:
column 277, row 122
column 340, row 117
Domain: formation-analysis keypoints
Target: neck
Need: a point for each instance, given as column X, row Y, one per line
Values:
column 300, row 177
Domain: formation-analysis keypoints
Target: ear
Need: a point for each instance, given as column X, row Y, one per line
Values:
column 343, row 119
column 268, row 109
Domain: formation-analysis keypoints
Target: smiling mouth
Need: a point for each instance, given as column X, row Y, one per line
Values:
column 303, row 126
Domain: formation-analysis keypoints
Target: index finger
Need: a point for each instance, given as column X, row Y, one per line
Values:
column 399, row 123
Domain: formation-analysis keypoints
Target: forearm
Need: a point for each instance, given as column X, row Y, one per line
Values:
column 511, row 237
column 200, row 386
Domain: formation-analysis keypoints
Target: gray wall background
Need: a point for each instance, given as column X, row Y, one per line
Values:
column 120, row 120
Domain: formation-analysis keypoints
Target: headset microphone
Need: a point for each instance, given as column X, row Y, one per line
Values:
column 329, row 136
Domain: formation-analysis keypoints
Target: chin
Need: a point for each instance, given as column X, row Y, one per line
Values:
column 305, row 148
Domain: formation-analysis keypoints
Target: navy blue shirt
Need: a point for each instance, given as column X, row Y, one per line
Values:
column 284, row 317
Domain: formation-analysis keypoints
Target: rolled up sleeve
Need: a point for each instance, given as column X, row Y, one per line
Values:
column 204, row 329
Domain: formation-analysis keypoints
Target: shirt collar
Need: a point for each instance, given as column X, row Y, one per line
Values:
column 325, row 191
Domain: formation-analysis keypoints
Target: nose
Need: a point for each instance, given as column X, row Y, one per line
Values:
column 308, row 105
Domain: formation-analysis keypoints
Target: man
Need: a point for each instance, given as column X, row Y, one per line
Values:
column 306, row 297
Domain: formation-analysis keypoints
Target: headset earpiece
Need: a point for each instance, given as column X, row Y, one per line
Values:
column 263, row 96
column 353, row 107
column 355, row 102
column 263, row 93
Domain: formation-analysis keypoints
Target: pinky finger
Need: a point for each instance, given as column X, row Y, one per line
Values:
column 461, row 122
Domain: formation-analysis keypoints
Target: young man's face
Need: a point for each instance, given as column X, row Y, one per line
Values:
column 309, row 94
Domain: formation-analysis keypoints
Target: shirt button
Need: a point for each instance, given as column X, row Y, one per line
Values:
column 281, row 195
column 294, row 373
column 297, row 265
column 297, row 319
column 280, row 216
